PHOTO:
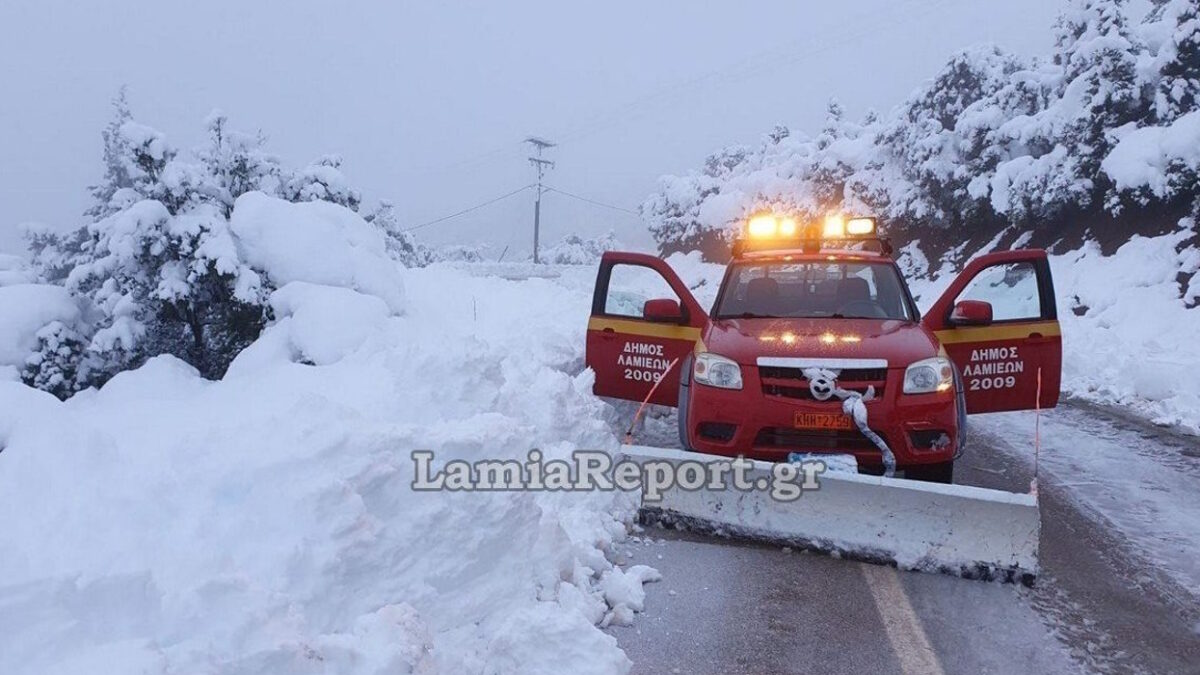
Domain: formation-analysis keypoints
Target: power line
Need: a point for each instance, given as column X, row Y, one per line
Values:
column 467, row 210
column 591, row 201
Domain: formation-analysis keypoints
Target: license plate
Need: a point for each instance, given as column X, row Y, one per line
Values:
column 811, row 420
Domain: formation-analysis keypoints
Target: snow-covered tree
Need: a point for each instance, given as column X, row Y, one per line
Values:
column 54, row 254
column 991, row 140
column 1101, row 89
column 1178, row 60
column 322, row 180
column 235, row 163
column 116, row 170
column 401, row 245
column 168, row 284
column 829, row 169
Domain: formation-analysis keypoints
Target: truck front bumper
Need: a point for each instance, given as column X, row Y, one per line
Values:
column 920, row 429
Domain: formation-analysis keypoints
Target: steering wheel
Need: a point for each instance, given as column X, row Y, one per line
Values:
column 862, row 309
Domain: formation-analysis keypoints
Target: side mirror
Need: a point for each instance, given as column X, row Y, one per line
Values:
column 971, row 313
column 663, row 311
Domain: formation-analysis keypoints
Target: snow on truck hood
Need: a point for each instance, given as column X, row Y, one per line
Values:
column 745, row 340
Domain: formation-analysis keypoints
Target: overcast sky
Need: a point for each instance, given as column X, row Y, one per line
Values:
column 428, row 102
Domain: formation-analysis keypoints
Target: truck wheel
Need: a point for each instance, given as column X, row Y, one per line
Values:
column 932, row 473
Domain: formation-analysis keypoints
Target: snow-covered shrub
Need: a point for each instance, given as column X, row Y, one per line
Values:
column 401, row 245
column 168, row 284
column 59, row 363
column 458, row 253
column 576, row 250
column 185, row 250
column 41, row 336
column 322, row 180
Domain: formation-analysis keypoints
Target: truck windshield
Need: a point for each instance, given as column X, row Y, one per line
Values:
column 815, row 289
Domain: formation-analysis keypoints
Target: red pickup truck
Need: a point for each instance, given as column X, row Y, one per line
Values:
column 801, row 323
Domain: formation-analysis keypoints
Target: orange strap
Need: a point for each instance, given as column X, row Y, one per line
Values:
column 1037, row 434
column 642, row 407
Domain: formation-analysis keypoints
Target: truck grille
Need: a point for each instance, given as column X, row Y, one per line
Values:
column 813, row 440
column 790, row 382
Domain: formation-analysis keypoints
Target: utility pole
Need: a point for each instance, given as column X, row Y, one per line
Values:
column 540, row 164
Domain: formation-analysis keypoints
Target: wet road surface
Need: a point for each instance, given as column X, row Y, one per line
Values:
column 1114, row 595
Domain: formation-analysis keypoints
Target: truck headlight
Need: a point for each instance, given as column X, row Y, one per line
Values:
column 717, row 371
column 929, row 375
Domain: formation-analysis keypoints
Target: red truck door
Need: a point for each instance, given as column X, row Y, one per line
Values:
column 999, row 324
column 643, row 320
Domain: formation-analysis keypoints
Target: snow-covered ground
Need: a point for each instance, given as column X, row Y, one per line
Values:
column 265, row 523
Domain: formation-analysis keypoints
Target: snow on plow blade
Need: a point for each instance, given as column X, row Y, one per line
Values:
column 966, row 531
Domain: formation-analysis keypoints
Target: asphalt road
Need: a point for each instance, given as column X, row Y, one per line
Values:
column 1104, row 602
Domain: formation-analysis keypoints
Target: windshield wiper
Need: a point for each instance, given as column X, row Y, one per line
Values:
column 746, row 315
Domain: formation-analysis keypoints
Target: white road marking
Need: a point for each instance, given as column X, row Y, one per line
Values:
column 903, row 628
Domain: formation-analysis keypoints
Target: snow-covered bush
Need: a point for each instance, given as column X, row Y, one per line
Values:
column 322, row 180
column 467, row 253
column 1097, row 136
column 401, row 245
column 168, row 284
column 40, row 337
column 576, row 250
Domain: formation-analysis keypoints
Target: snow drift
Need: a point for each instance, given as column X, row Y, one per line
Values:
column 265, row 522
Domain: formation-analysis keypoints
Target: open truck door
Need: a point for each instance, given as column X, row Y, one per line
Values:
column 644, row 324
column 999, row 324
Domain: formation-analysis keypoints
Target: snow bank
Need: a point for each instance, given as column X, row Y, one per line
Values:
column 318, row 242
column 24, row 310
column 316, row 325
column 266, row 522
column 1129, row 340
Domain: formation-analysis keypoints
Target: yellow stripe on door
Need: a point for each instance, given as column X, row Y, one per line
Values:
column 645, row 328
column 1002, row 332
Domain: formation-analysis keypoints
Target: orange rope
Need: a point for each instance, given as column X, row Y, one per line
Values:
column 642, row 407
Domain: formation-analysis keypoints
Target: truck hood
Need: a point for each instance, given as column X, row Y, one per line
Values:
column 744, row 340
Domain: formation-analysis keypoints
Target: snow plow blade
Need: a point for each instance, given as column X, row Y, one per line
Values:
column 960, row 530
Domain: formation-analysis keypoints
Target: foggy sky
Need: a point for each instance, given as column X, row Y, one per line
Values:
column 428, row 102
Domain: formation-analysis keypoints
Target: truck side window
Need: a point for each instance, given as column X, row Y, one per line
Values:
column 1012, row 290
column 630, row 286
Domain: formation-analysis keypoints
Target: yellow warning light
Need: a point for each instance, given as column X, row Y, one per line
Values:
column 788, row 227
column 838, row 227
column 762, row 226
column 860, row 227
column 835, row 227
